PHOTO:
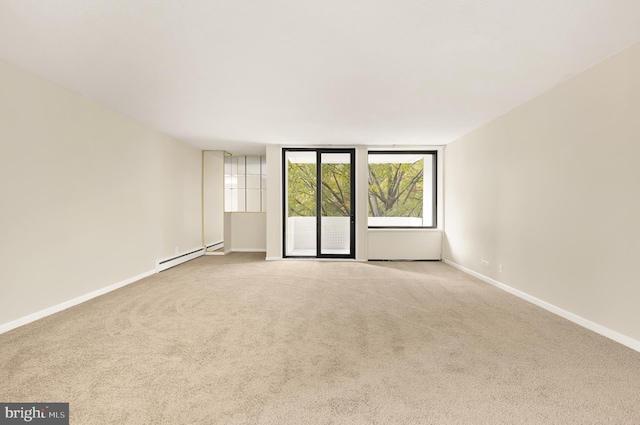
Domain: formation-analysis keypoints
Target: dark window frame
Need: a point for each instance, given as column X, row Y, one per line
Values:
column 434, row 181
column 352, row 226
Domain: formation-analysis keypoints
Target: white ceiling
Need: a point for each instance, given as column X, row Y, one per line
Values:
column 238, row 74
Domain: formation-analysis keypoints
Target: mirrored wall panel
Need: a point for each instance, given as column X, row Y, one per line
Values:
column 245, row 183
column 212, row 199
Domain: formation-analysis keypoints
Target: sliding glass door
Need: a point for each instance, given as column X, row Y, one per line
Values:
column 319, row 199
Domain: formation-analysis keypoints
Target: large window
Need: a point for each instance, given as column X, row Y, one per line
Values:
column 402, row 188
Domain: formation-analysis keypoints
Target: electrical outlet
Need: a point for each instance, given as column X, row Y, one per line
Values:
column 499, row 268
column 177, row 250
column 484, row 263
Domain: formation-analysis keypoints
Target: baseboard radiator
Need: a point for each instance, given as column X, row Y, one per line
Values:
column 214, row 246
column 167, row 263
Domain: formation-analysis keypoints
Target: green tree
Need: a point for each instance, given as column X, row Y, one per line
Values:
column 336, row 190
column 301, row 181
column 396, row 190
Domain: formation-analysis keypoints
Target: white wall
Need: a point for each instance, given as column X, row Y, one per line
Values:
column 404, row 244
column 274, row 202
column 362, row 193
column 550, row 190
column 248, row 232
column 228, row 232
column 89, row 197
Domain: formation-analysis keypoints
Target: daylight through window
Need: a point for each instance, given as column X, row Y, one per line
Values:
column 402, row 189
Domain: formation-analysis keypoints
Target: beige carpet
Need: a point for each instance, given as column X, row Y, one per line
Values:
column 237, row 340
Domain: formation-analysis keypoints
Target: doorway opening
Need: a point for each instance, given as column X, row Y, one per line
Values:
column 319, row 203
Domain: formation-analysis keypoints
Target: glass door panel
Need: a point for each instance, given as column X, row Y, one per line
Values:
column 335, row 204
column 300, row 203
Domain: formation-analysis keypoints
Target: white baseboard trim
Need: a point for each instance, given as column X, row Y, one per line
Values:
column 248, row 250
column 585, row 323
column 73, row 302
column 167, row 263
column 273, row 258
